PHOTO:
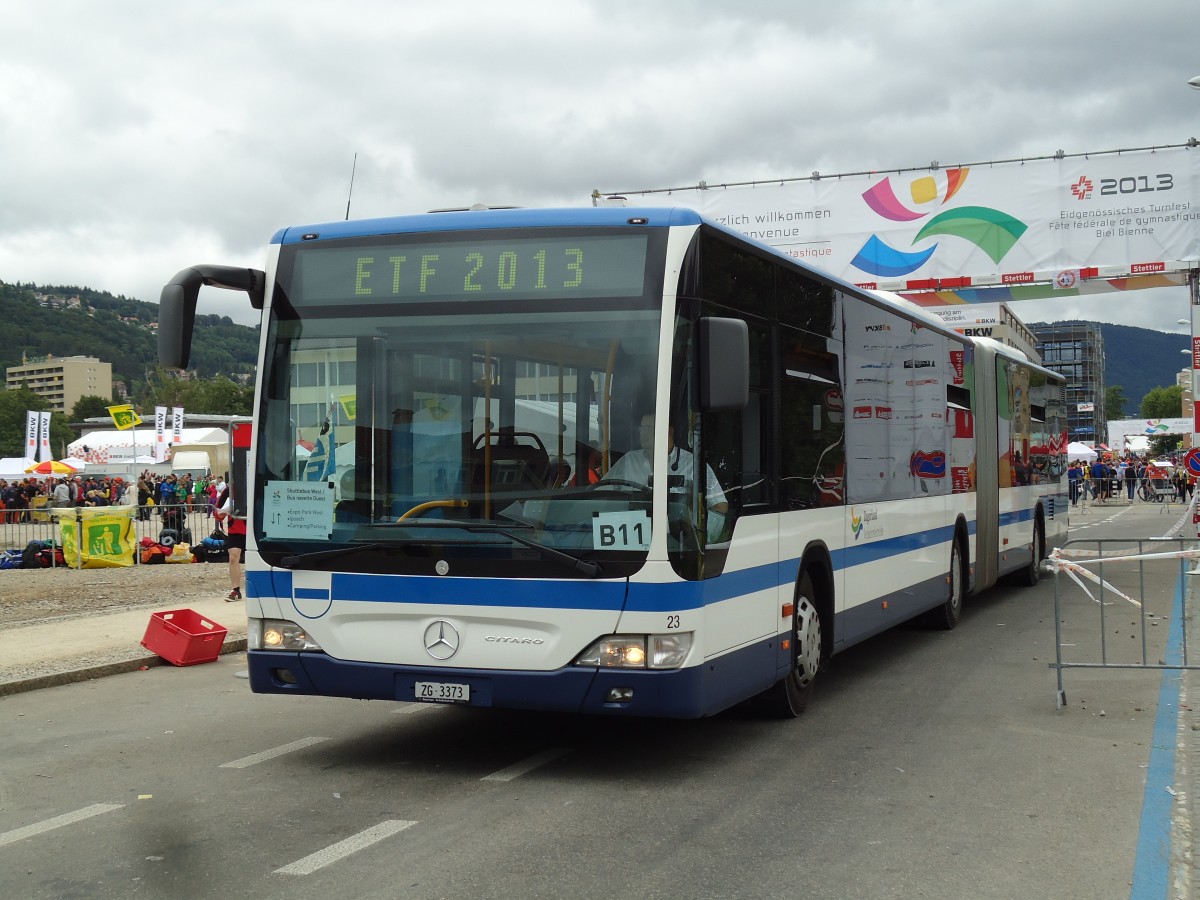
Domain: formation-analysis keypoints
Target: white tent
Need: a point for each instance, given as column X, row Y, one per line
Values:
column 111, row 445
column 14, row 467
column 1076, row 450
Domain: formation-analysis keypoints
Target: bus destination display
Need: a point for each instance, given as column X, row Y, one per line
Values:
column 484, row 268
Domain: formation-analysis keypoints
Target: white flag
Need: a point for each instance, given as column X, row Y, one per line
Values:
column 31, row 434
column 44, row 452
column 160, row 434
column 177, row 425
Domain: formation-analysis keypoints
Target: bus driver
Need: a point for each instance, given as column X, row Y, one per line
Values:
column 637, row 467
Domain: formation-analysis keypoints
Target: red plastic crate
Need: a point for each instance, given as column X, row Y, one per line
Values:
column 183, row 637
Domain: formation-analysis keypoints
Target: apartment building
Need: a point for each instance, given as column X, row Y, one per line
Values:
column 62, row 379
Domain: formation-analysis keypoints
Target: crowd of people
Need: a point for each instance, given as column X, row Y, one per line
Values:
column 19, row 497
column 1128, row 477
column 168, row 495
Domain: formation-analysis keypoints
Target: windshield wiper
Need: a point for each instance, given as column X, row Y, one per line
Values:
column 586, row 566
column 295, row 559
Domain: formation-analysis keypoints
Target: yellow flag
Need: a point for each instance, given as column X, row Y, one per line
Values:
column 124, row 417
column 349, row 404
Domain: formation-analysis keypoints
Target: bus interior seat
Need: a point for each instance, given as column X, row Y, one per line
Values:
column 519, row 461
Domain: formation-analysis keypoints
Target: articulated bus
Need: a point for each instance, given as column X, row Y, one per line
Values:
column 479, row 437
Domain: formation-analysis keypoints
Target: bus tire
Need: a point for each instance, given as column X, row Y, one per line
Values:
column 1028, row 576
column 789, row 696
column 947, row 615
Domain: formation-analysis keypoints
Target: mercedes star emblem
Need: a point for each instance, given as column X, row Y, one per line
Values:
column 441, row 639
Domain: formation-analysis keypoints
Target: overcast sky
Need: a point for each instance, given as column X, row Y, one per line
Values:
column 140, row 138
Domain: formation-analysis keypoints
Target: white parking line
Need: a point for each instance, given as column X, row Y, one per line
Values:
column 70, row 818
column 516, row 771
column 342, row 849
column 271, row 754
column 418, row 707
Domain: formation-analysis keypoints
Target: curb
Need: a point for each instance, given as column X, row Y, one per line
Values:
column 71, row 676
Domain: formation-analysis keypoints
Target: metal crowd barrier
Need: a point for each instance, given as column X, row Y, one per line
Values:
column 19, row 527
column 1117, row 601
column 1145, row 490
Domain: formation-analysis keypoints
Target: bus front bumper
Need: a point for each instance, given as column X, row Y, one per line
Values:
column 676, row 693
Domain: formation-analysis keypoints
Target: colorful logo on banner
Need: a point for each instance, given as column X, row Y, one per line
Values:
column 991, row 230
column 1156, row 426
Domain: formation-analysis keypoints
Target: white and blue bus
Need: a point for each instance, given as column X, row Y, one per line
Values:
column 475, row 439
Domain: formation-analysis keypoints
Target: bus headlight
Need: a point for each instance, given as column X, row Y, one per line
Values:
column 638, row 651
column 279, row 634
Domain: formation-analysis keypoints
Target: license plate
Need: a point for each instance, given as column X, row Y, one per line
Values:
column 442, row 692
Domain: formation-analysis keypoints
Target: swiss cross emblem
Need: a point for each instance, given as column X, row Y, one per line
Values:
column 1082, row 189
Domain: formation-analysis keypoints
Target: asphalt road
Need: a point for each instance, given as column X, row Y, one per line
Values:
column 930, row 764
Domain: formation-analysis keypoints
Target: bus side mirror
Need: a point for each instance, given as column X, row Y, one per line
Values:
column 723, row 351
column 176, row 317
column 177, row 306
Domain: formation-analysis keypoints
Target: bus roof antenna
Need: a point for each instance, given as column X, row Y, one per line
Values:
column 353, row 166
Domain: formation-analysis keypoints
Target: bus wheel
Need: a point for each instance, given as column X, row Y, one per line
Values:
column 789, row 696
column 1028, row 577
column 947, row 615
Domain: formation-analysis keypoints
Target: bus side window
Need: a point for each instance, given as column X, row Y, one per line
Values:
column 736, row 444
column 813, row 454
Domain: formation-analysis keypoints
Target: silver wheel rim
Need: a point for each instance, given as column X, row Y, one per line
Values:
column 808, row 642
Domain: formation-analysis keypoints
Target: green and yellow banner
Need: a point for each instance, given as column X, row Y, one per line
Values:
column 106, row 533
column 124, row 417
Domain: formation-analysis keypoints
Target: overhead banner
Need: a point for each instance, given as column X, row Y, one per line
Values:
column 975, row 316
column 1120, row 431
column 1056, row 220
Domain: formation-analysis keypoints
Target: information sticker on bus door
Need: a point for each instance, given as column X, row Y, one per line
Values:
column 627, row 530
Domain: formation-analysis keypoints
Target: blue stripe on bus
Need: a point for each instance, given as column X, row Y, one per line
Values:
column 1016, row 517
column 535, row 593
column 485, row 220
column 596, row 595
column 906, row 543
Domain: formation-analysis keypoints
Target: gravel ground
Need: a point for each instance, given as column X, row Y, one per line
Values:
column 44, row 596
column 34, row 596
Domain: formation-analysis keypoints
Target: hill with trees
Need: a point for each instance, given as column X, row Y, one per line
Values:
column 1140, row 360
column 65, row 320
column 74, row 321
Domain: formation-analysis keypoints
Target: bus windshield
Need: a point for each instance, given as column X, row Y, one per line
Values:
column 441, row 432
